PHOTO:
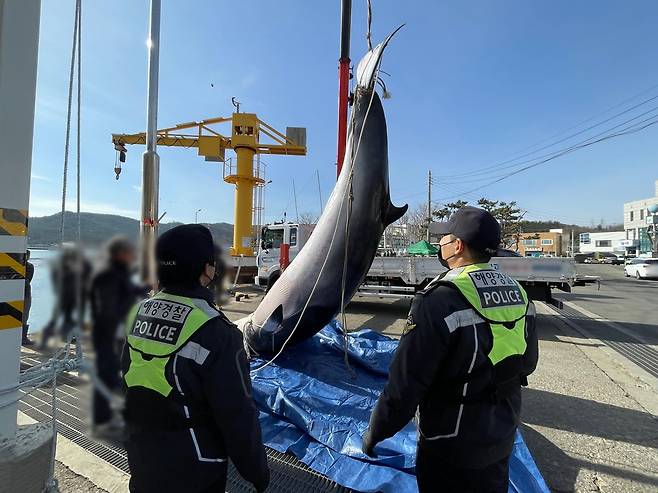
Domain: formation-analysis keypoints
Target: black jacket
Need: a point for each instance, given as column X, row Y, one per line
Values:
column 441, row 341
column 112, row 294
column 168, row 451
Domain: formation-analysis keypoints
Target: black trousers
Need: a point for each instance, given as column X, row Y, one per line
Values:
column 165, row 462
column 218, row 487
column 434, row 475
column 107, row 369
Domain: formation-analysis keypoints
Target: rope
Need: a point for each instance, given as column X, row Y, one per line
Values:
column 68, row 122
column 333, row 237
column 79, row 22
column 51, row 483
column 343, row 315
column 77, row 329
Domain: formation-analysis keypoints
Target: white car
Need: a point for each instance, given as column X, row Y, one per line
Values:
column 642, row 268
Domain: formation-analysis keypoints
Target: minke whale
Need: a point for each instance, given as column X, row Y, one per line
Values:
column 308, row 295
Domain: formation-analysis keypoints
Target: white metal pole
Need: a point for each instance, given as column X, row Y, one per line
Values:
column 150, row 159
column 19, row 43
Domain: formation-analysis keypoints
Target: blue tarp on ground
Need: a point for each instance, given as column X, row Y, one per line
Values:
column 313, row 407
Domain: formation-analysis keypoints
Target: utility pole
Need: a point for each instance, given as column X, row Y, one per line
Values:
column 429, row 203
column 150, row 158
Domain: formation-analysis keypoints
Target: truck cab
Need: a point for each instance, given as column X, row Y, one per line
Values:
column 273, row 236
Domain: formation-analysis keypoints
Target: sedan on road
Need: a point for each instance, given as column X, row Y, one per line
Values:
column 642, row 268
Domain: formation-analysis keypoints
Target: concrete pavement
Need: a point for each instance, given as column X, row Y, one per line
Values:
column 630, row 302
column 589, row 421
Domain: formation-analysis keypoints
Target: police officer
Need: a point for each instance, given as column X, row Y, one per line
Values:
column 467, row 348
column 188, row 404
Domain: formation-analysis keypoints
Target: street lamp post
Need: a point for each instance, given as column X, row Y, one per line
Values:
column 150, row 158
column 196, row 216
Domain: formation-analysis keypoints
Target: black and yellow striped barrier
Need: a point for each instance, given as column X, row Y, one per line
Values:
column 12, row 266
column 13, row 222
column 11, row 314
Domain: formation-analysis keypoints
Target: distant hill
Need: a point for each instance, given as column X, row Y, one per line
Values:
column 96, row 229
column 537, row 226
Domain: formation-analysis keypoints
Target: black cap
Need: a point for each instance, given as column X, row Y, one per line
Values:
column 475, row 227
column 182, row 253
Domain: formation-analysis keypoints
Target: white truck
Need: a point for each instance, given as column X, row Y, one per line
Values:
column 402, row 276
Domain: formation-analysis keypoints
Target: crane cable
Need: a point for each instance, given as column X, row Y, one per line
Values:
column 368, row 31
column 68, row 123
column 51, row 481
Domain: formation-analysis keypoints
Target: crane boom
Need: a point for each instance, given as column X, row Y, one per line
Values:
column 245, row 140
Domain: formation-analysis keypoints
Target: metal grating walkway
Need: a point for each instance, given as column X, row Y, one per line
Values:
column 73, row 422
column 644, row 356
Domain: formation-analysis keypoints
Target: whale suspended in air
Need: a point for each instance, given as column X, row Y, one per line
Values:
column 335, row 260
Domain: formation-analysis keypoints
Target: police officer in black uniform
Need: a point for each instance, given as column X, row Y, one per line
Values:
column 188, row 405
column 467, row 349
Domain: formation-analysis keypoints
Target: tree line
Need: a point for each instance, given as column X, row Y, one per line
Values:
column 509, row 215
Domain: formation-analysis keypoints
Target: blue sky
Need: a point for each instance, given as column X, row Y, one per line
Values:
column 473, row 83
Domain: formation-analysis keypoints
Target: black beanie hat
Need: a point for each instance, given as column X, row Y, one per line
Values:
column 182, row 253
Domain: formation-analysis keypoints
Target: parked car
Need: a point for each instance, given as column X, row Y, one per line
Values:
column 642, row 268
column 613, row 260
column 590, row 260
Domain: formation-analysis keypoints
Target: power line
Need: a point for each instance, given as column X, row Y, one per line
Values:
column 637, row 127
column 475, row 180
column 502, row 164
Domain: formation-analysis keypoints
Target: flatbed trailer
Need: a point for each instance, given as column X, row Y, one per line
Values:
column 402, row 276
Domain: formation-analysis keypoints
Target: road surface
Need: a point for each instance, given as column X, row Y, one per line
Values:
column 629, row 302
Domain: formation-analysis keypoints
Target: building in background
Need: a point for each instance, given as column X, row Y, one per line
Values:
column 636, row 217
column 610, row 242
column 395, row 238
column 542, row 244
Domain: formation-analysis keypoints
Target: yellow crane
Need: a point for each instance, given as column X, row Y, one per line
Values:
column 246, row 132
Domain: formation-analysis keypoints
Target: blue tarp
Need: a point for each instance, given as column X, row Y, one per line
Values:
column 312, row 406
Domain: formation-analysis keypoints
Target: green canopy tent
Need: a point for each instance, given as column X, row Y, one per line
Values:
column 422, row 248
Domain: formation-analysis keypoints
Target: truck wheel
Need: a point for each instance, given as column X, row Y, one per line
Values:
column 271, row 280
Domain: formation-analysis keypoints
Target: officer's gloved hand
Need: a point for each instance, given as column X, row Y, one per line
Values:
column 263, row 483
column 368, row 446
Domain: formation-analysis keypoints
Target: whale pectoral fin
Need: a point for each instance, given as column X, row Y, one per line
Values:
column 394, row 213
column 273, row 323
